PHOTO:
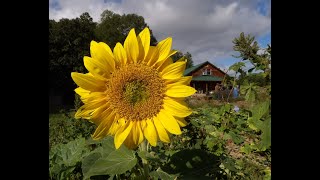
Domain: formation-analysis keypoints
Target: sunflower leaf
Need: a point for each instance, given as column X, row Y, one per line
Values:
column 106, row 160
column 159, row 174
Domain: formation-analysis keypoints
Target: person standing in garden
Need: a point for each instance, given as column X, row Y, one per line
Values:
column 235, row 92
column 217, row 90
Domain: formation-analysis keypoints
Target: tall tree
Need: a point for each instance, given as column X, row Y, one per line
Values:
column 69, row 41
column 114, row 28
column 250, row 51
column 187, row 56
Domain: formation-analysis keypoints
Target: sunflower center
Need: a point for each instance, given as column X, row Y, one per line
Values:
column 136, row 92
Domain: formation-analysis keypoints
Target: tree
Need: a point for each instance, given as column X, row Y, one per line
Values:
column 187, row 56
column 248, row 49
column 69, row 41
column 114, row 28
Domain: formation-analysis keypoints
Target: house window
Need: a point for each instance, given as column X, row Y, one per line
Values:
column 206, row 72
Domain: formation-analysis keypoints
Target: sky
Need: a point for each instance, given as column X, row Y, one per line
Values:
column 204, row 28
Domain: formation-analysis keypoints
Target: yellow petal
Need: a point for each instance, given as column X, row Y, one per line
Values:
column 181, row 121
column 96, row 67
column 180, row 91
column 100, row 52
column 160, row 65
column 176, row 107
column 152, row 57
column 122, row 134
column 83, row 112
column 107, row 48
column 131, row 46
column 101, row 113
column 150, row 133
column 82, row 92
column 103, row 127
column 129, row 141
column 144, row 41
column 88, row 82
column 162, row 133
column 115, row 125
column 172, row 52
column 120, row 54
column 185, row 80
column 174, row 71
column 137, row 133
column 143, row 124
column 169, row 122
column 141, row 137
column 164, row 48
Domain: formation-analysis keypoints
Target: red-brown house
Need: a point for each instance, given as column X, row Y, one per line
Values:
column 204, row 76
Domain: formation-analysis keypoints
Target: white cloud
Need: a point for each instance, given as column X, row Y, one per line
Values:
column 204, row 28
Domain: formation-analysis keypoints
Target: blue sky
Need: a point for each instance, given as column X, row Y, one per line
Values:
column 204, row 28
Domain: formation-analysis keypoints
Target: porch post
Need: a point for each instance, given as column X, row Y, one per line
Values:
column 206, row 87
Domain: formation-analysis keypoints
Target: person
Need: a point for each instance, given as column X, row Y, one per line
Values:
column 235, row 92
column 217, row 90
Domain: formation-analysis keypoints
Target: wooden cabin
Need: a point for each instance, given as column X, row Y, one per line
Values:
column 204, row 77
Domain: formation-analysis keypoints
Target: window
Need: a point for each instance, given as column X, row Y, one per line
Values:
column 206, row 72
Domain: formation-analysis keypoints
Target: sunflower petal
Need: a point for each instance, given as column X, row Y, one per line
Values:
column 169, row 122
column 87, row 82
column 174, row 71
column 181, row 121
column 162, row 133
column 107, row 48
column 82, row 92
column 164, row 48
column 137, row 133
column 96, row 68
column 144, row 43
column 100, row 113
column 152, row 56
column 141, row 138
column 122, row 134
column 120, row 54
column 163, row 64
column 150, row 133
column 176, row 107
column 180, row 91
column 185, row 80
column 103, row 127
column 131, row 46
column 129, row 141
column 101, row 53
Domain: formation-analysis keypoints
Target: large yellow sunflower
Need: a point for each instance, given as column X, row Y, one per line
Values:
column 134, row 92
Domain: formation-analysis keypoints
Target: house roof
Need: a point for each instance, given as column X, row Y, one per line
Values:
column 194, row 68
column 206, row 78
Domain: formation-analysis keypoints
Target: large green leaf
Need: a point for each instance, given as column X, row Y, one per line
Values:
column 159, row 174
column 69, row 154
column 258, row 112
column 108, row 161
column 265, row 142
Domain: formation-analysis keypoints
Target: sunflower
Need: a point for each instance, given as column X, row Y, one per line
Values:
column 135, row 91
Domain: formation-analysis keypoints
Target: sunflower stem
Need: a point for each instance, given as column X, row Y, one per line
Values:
column 144, row 147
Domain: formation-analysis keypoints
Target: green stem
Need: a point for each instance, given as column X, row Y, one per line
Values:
column 144, row 147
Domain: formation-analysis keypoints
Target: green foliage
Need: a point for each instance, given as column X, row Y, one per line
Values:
column 64, row 128
column 114, row 28
column 106, row 160
column 64, row 158
column 187, row 56
column 159, row 174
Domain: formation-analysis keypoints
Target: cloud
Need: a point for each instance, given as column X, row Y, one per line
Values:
column 204, row 28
